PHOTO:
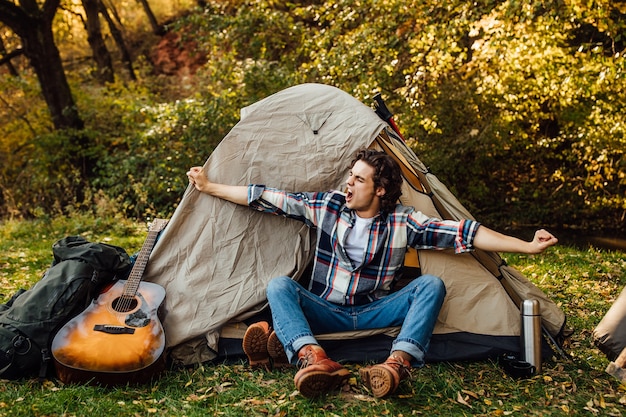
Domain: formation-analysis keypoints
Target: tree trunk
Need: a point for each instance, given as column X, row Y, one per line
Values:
column 96, row 42
column 156, row 28
column 34, row 26
column 119, row 40
column 44, row 56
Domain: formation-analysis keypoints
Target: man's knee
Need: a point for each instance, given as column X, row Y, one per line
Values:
column 278, row 285
column 433, row 283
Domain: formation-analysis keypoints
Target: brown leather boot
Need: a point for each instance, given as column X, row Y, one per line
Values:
column 318, row 374
column 277, row 352
column 255, row 345
column 384, row 378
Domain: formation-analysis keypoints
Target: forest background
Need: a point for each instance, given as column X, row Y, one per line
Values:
column 519, row 107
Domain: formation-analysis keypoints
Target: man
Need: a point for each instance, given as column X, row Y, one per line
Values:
column 362, row 237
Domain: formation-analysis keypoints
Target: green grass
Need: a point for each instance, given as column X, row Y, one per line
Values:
column 585, row 283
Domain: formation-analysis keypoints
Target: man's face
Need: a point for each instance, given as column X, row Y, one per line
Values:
column 361, row 194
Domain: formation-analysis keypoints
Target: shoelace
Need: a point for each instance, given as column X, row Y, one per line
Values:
column 399, row 363
column 304, row 361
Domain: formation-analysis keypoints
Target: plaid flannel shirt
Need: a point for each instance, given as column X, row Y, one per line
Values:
column 335, row 276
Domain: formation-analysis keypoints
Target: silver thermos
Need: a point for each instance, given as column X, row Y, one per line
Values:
column 530, row 337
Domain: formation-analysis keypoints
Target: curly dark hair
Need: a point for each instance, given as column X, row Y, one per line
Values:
column 387, row 174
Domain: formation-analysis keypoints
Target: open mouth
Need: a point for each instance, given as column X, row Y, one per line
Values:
column 348, row 195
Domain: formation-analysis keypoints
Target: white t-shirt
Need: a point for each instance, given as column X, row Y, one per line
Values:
column 357, row 239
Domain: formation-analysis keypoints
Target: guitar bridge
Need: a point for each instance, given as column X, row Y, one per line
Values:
column 113, row 329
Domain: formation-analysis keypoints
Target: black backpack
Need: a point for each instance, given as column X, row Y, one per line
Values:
column 31, row 318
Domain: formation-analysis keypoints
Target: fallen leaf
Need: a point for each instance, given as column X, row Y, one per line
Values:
column 470, row 393
column 461, row 400
column 48, row 384
column 256, row 401
column 194, row 397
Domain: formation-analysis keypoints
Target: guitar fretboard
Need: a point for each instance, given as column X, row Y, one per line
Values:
column 134, row 278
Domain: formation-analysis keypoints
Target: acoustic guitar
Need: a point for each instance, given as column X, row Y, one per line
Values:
column 118, row 339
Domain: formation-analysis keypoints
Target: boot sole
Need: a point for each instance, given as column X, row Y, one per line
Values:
column 378, row 380
column 316, row 383
column 254, row 345
column 277, row 352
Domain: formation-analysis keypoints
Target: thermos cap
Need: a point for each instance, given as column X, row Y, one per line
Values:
column 530, row 308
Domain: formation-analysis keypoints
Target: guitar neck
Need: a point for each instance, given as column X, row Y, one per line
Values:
column 134, row 278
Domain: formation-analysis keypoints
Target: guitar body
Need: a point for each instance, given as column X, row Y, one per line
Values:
column 117, row 340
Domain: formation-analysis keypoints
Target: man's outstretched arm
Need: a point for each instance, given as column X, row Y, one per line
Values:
column 234, row 193
column 491, row 240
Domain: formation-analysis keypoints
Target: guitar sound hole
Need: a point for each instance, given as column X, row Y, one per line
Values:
column 124, row 304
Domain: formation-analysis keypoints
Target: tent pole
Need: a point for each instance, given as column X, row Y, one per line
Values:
column 384, row 113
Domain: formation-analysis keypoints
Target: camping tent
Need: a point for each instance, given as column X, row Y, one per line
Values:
column 215, row 259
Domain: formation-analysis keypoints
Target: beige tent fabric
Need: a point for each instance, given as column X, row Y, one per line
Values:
column 552, row 317
column 215, row 259
column 473, row 303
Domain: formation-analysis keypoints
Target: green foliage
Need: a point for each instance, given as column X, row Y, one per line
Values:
column 46, row 175
column 552, row 126
column 518, row 107
column 147, row 171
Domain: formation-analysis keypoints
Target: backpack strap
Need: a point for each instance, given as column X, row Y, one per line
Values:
column 45, row 362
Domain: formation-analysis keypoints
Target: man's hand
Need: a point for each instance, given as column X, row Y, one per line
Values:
column 234, row 193
column 197, row 177
column 543, row 240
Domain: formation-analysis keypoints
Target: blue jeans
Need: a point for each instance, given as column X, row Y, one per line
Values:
column 298, row 315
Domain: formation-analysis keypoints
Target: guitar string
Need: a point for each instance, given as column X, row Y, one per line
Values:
column 126, row 300
column 124, row 303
